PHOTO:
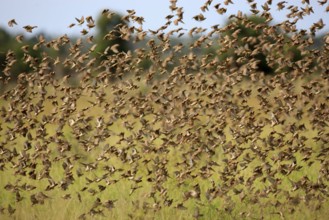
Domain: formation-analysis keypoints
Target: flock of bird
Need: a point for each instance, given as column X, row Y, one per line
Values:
column 189, row 132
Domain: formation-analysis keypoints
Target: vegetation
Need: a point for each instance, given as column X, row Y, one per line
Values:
column 188, row 129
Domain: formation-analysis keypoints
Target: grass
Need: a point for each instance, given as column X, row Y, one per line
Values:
column 163, row 166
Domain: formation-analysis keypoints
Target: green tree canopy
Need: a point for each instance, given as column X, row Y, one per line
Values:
column 108, row 33
column 247, row 35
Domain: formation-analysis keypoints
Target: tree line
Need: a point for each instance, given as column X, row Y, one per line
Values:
column 13, row 50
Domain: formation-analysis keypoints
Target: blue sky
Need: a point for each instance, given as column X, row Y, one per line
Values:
column 53, row 17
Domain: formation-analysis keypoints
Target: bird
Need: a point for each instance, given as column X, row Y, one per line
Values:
column 19, row 38
column 29, row 28
column 12, row 22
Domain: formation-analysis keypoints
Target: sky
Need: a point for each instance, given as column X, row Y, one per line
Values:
column 54, row 17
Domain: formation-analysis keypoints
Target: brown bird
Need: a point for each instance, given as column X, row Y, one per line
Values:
column 11, row 210
column 80, row 20
column 19, row 38
column 29, row 28
column 12, row 22
column 199, row 17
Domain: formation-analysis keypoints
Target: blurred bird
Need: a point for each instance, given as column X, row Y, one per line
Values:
column 29, row 28
column 12, row 22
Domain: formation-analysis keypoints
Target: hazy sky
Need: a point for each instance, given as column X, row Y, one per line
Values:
column 53, row 17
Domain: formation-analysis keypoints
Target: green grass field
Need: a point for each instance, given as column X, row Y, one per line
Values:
column 124, row 122
column 205, row 150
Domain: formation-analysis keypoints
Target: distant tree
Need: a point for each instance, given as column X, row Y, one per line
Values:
column 108, row 34
column 245, row 35
column 111, row 41
column 13, row 58
column 5, row 38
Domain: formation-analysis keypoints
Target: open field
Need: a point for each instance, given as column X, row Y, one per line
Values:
column 226, row 123
column 216, row 157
